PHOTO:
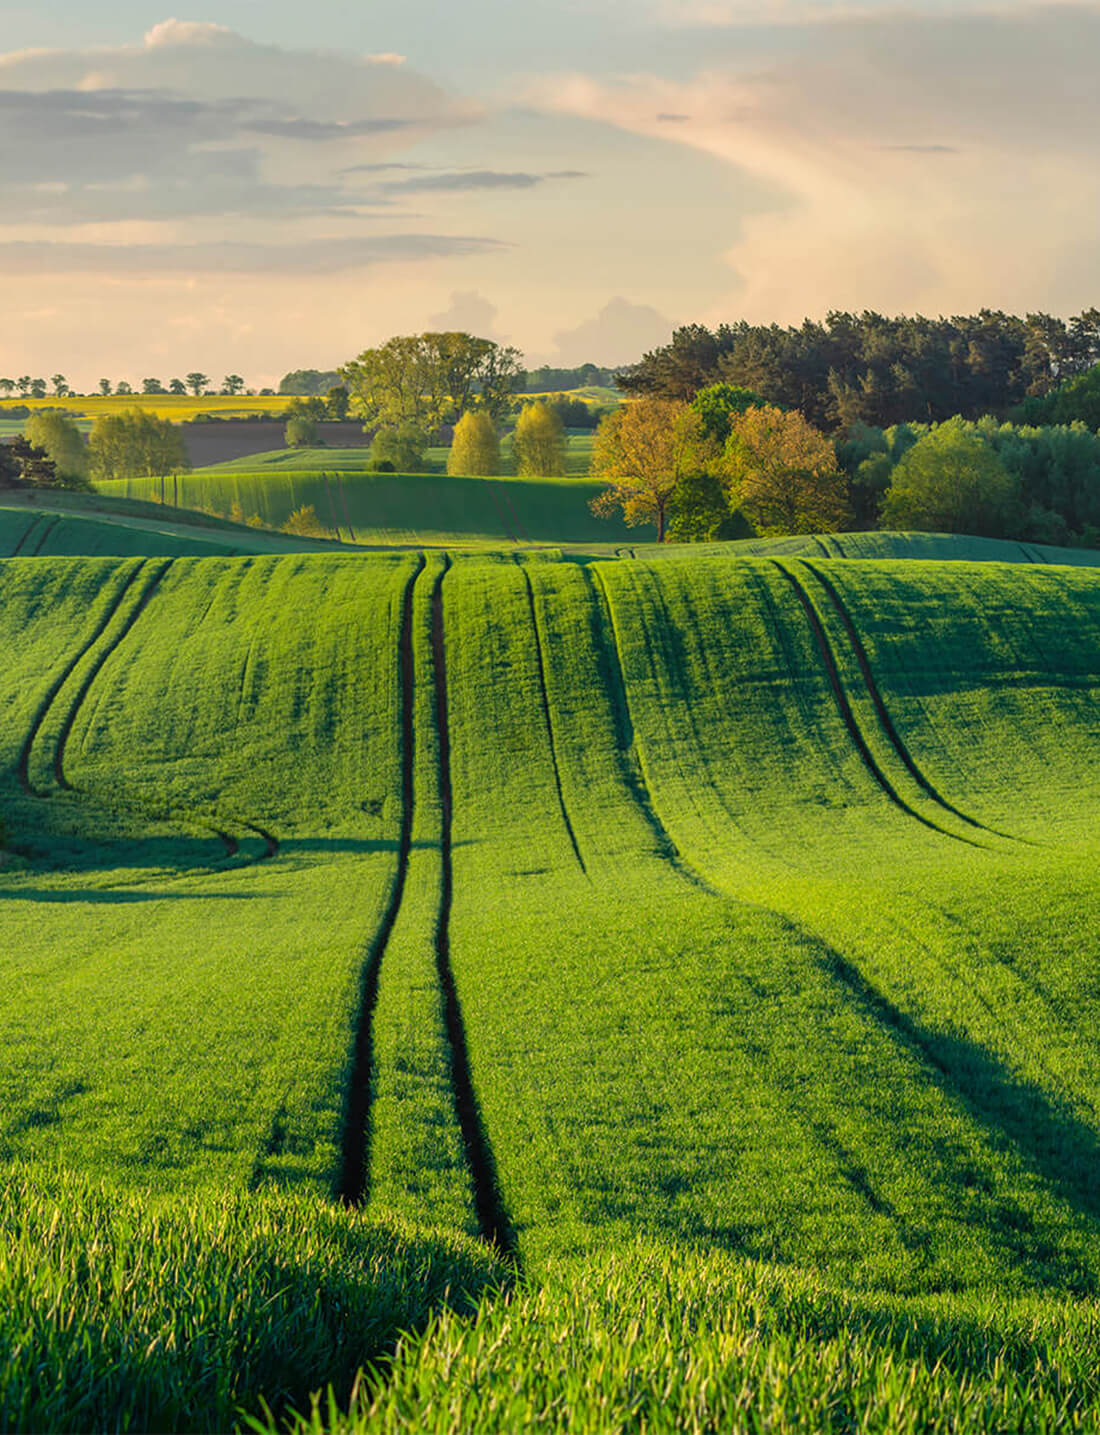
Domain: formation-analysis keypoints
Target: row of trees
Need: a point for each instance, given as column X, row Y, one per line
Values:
column 871, row 369
column 730, row 464
column 538, row 444
column 52, row 453
column 196, row 383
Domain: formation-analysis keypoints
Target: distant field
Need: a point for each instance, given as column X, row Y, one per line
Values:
column 355, row 460
column 181, row 409
column 397, row 508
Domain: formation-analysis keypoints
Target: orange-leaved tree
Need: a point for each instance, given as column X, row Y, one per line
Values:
column 643, row 450
column 784, row 474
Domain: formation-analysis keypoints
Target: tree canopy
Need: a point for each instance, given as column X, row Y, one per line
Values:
column 60, row 439
column 432, row 379
column 645, row 450
column 871, row 369
column 476, row 446
column 134, row 444
column 951, row 481
column 784, row 474
column 539, row 442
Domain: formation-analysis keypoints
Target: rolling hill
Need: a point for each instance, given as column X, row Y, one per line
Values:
column 697, row 948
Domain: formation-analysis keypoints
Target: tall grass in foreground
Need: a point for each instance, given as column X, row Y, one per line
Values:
column 648, row 1338
column 117, row 1313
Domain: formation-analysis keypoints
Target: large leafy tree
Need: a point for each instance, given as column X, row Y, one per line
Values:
column 951, row 481
column 431, row 379
column 644, row 450
column 135, row 444
column 784, row 474
column 62, row 442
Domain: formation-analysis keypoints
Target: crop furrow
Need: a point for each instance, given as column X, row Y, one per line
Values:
column 492, row 1219
column 881, row 710
column 344, row 504
column 94, row 671
column 23, row 763
column 848, row 717
column 549, row 721
column 352, row 1184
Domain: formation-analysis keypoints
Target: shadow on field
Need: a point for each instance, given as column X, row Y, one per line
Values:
column 111, row 895
column 1064, row 1150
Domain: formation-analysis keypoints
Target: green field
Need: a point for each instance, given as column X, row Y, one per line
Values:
column 683, row 966
column 396, row 508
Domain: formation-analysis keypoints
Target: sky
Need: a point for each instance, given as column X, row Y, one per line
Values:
column 258, row 187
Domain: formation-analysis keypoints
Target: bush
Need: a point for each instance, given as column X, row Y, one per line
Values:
column 305, row 523
column 402, row 446
column 300, row 432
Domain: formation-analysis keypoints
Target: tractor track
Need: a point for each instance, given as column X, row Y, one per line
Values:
column 51, row 524
column 351, row 1186
column 633, row 775
column 885, row 720
column 36, row 519
column 97, row 666
column 23, row 763
column 492, row 1218
column 495, row 500
column 848, row 717
column 549, row 724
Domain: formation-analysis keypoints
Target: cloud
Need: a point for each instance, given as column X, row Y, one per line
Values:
column 618, row 334
column 320, row 256
column 387, row 57
column 468, row 312
column 194, row 106
column 830, row 120
column 459, row 181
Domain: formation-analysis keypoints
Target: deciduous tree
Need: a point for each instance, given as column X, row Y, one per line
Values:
column 135, row 444
column 476, row 446
column 63, row 443
column 539, row 442
column 644, row 450
column 197, row 382
column 784, row 473
column 952, row 481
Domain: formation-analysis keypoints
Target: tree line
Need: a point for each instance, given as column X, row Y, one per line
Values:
column 729, row 464
column 878, row 371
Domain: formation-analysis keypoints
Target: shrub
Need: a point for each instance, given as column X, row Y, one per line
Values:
column 402, row 446
column 63, row 443
column 300, row 432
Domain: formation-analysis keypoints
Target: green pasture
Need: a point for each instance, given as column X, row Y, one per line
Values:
column 631, row 994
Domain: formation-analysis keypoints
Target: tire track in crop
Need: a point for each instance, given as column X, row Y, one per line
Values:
column 51, row 524
column 516, row 518
column 30, row 528
column 94, row 671
column 492, row 1218
column 549, row 723
column 606, row 638
column 23, row 762
column 885, row 720
column 494, row 499
column 848, row 716
column 351, row 1186
column 835, row 541
column 228, row 841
